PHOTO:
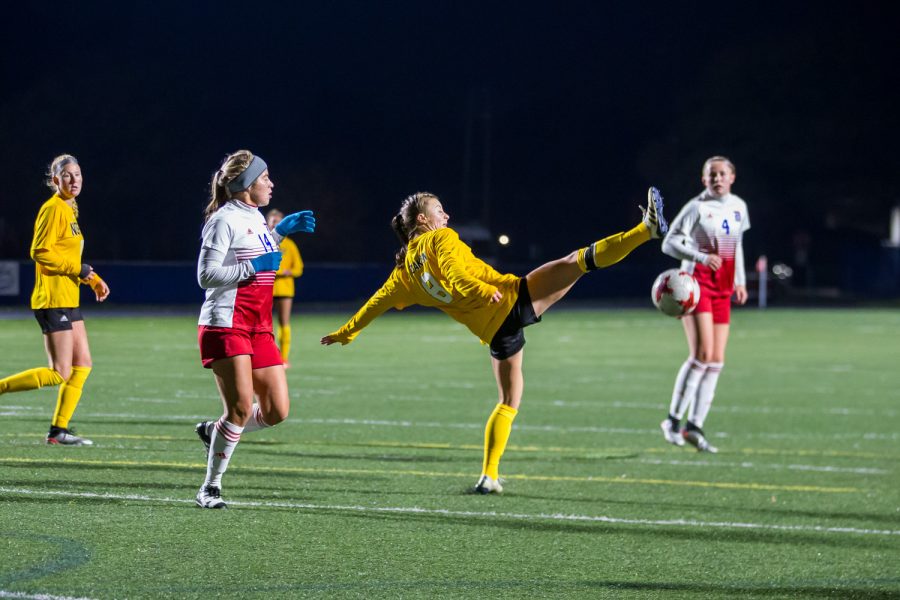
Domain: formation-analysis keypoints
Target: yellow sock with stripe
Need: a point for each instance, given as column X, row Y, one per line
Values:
column 496, row 435
column 69, row 395
column 31, row 379
column 612, row 249
column 284, row 342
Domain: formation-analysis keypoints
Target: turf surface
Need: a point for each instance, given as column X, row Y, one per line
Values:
column 364, row 491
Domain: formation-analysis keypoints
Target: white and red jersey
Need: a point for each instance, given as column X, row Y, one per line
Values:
column 236, row 296
column 710, row 225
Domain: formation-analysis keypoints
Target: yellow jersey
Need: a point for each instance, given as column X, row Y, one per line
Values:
column 441, row 271
column 290, row 261
column 56, row 250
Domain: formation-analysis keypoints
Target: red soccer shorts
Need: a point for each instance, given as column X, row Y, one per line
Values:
column 715, row 302
column 223, row 342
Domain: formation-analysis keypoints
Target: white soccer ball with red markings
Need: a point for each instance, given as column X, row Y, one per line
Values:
column 675, row 293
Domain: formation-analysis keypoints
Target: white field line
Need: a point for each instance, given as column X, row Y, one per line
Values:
column 24, row 596
column 560, row 517
column 616, row 405
column 706, row 464
column 757, row 410
column 868, row 436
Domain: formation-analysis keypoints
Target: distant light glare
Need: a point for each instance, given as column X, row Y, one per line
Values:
column 782, row 271
column 503, row 239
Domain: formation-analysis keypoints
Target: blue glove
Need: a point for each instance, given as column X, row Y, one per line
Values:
column 270, row 261
column 302, row 221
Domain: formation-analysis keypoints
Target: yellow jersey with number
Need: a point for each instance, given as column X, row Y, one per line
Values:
column 441, row 271
column 292, row 263
column 56, row 251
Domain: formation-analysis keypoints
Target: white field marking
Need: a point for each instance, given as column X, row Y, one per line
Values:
column 761, row 410
column 706, row 464
column 150, row 400
column 24, row 596
column 608, row 479
column 466, row 513
column 589, row 452
column 868, row 436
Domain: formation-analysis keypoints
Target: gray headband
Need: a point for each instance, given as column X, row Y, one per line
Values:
column 248, row 175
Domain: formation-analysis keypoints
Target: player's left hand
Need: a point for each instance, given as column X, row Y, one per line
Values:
column 496, row 297
column 303, row 221
column 740, row 294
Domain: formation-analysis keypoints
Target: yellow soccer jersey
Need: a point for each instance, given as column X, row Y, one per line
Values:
column 290, row 261
column 56, row 251
column 441, row 271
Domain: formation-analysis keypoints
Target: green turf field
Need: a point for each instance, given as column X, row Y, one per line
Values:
column 363, row 492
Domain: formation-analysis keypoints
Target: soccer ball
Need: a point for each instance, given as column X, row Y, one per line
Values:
column 675, row 293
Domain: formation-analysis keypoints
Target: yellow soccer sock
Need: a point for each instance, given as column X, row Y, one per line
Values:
column 612, row 249
column 284, row 342
column 69, row 395
column 31, row 379
column 496, row 434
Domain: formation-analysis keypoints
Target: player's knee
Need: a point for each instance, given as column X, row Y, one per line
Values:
column 276, row 415
column 239, row 415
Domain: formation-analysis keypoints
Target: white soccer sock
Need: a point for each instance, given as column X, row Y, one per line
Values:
column 706, row 391
column 225, row 436
column 256, row 422
column 685, row 391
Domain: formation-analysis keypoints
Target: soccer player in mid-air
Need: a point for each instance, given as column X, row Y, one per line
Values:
column 58, row 271
column 238, row 260
column 435, row 268
column 707, row 236
column 283, row 291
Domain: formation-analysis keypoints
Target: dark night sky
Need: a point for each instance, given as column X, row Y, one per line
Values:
column 356, row 104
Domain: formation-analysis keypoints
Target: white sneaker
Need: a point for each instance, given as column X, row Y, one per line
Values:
column 698, row 440
column 486, row 485
column 672, row 436
column 64, row 437
column 653, row 214
column 210, row 496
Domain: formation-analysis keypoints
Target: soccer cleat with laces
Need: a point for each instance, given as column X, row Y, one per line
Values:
column 202, row 430
column 673, row 436
column 210, row 496
column 65, row 437
column 486, row 485
column 653, row 214
column 696, row 438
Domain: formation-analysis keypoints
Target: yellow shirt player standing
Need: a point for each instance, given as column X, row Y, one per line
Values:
column 435, row 268
column 283, row 290
column 58, row 272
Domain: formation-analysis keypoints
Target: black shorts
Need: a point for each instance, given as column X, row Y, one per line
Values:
column 510, row 338
column 57, row 319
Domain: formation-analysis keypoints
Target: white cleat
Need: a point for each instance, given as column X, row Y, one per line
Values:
column 671, row 435
column 698, row 440
column 210, row 496
column 486, row 485
column 653, row 214
column 64, row 437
